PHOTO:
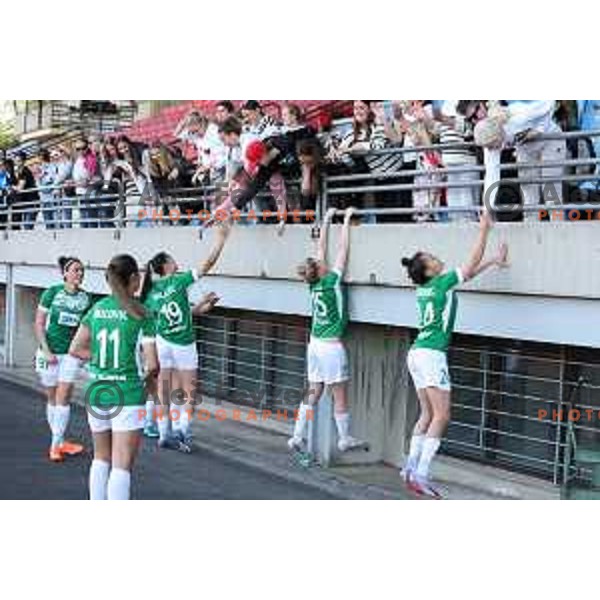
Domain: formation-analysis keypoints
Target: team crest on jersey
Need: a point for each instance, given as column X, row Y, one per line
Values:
column 76, row 303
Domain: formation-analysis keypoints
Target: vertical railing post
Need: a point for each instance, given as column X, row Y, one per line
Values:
column 122, row 210
column 485, row 358
column 322, row 201
column 558, row 432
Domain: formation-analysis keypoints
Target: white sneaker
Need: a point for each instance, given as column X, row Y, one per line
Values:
column 350, row 443
column 295, row 443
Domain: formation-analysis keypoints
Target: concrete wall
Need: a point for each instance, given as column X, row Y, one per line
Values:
column 551, row 292
column 549, row 259
column 24, row 336
column 381, row 397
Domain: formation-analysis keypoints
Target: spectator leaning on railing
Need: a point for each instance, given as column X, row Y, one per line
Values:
column 305, row 162
column 453, row 128
column 419, row 127
column 256, row 123
column 45, row 179
column 26, row 203
column 107, row 158
column 163, row 172
column 365, row 135
column 215, row 151
column 520, row 123
column 85, row 171
column 589, row 120
column 135, row 181
column 260, row 127
column 191, row 129
column 63, row 194
column 352, row 151
column 8, row 164
column 5, row 183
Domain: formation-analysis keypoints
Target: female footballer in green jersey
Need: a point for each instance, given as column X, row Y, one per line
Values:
column 58, row 315
column 326, row 356
column 427, row 362
column 165, row 295
column 117, row 338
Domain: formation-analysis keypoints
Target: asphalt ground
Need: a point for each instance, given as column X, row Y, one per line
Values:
column 26, row 473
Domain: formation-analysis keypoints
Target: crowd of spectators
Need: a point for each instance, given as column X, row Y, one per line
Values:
column 281, row 159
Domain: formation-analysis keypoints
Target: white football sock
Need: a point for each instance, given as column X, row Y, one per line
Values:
column 300, row 425
column 50, row 416
column 149, row 418
column 430, row 447
column 175, row 415
column 184, row 419
column 416, row 446
column 342, row 421
column 162, row 421
column 119, row 483
column 99, row 479
column 61, row 422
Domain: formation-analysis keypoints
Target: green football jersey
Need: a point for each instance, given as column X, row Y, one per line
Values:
column 168, row 300
column 64, row 311
column 328, row 307
column 436, row 304
column 116, row 358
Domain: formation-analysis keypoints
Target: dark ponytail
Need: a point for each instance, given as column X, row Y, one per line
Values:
column 416, row 267
column 154, row 266
column 65, row 262
column 119, row 272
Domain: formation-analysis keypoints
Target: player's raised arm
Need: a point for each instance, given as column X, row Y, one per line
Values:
column 344, row 246
column 206, row 304
column 500, row 259
column 322, row 253
column 471, row 268
column 206, row 265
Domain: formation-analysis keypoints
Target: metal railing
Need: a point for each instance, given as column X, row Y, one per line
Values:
column 120, row 209
column 399, row 181
column 254, row 362
column 103, row 208
column 510, row 405
column 513, row 408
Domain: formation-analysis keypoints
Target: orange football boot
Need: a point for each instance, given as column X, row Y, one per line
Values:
column 71, row 448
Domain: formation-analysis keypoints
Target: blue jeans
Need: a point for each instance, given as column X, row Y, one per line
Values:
column 49, row 211
column 66, row 212
column 29, row 218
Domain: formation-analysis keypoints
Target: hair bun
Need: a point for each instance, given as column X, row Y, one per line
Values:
column 406, row 262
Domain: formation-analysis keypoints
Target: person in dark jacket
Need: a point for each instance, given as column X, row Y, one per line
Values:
column 25, row 203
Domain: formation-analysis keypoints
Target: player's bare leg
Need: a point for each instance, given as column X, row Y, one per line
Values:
column 440, row 406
